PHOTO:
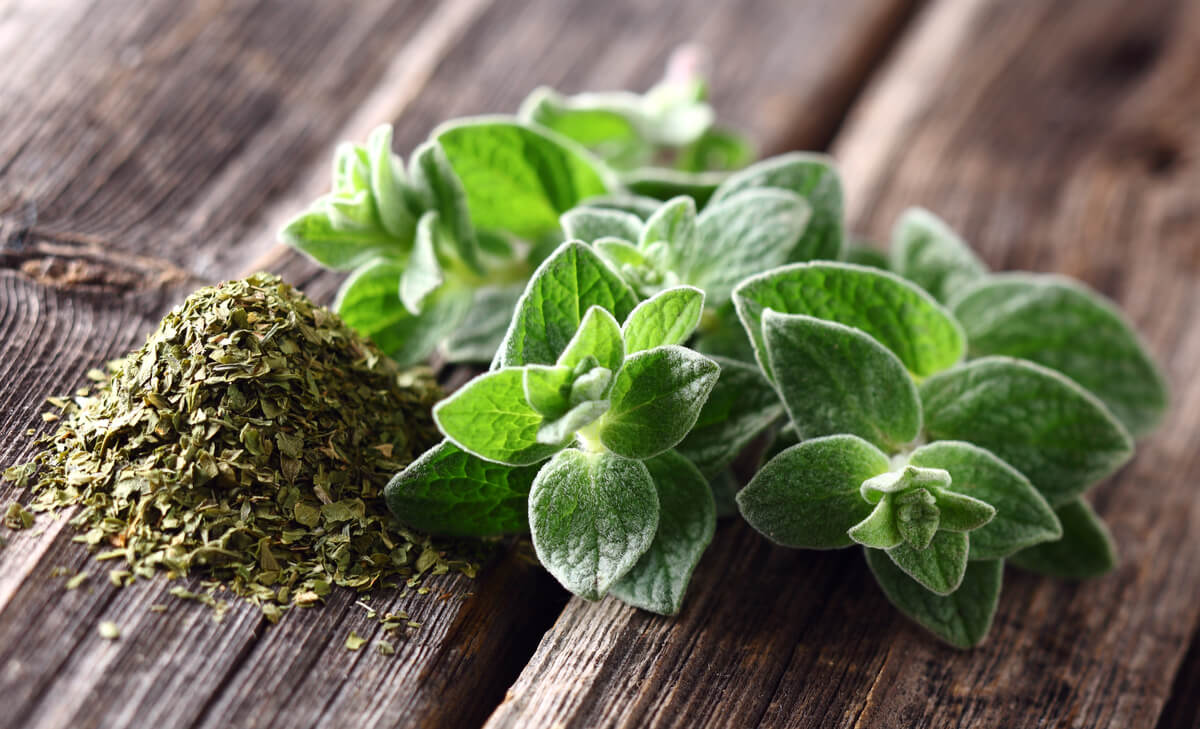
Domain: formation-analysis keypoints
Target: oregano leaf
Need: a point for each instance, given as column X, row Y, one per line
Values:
column 961, row 513
column 451, row 492
column 656, row 398
column 807, row 497
column 927, row 252
column 547, row 389
column 1064, row 325
column 1038, row 421
column 490, row 417
column 962, row 618
column 590, row 224
column 1086, row 549
column 592, row 516
column 562, row 429
column 1023, row 518
column 434, row 180
column 478, row 335
column 898, row 314
column 668, row 317
column 837, row 379
column 387, row 175
column 598, row 336
column 423, row 274
column 686, row 523
column 663, row 184
column 938, row 567
column 314, row 234
column 674, row 222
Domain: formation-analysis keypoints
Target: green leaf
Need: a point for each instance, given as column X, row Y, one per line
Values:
column 609, row 125
column 927, row 252
column 864, row 254
column 547, row 389
column 741, row 236
column 590, row 224
column 387, row 174
column 899, row 315
column 656, row 399
column 478, row 336
column 881, row 529
column 599, row 336
column 369, row 302
column 639, row 205
column 568, row 283
column 591, row 385
column 1023, row 518
column 451, row 492
column 917, row 518
column 423, row 274
column 962, row 618
column 674, row 222
column 1066, row 326
column 716, row 149
column 961, row 513
column 519, row 178
column 686, row 522
column 562, row 430
column 741, row 406
column 1033, row 418
column 592, row 517
column 669, row 317
column 940, row 567
column 837, row 379
column 808, row 496
column 664, row 184
column 440, row 189
column 490, row 418
column 314, row 234
column 619, row 253
column 813, row 177
column 1086, row 549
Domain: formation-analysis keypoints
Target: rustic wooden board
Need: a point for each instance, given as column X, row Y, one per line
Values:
column 1056, row 137
column 152, row 147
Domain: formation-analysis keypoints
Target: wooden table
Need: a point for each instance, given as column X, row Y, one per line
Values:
column 149, row 147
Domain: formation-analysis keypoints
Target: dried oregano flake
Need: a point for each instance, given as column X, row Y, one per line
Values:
column 250, row 438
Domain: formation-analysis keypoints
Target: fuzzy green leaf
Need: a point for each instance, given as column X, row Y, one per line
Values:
column 590, row 224
column 940, row 566
column 669, row 317
column 340, row 248
column 490, row 417
column 880, row 529
column 563, row 429
column 743, row 235
column 449, row 491
column 656, row 399
column 423, row 274
column 369, row 302
column 664, row 184
column 568, row 283
column 961, row 513
column 962, row 618
column 917, row 518
column 1035, row 419
column 675, row 223
column 439, row 189
column 1068, row 327
column 864, row 254
column 837, row 379
column 547, row 389
column 1023, row 518
column 1086, row 549
column 477, row 337
column 640, row 205
column 686, row 522
column 519, row 178
column 592, row 516
column 813, row 177
column 608, row 125
column 899, row 315
column 808, row 496
column 927, row 252
column 599, row 336
column 741, row 406
column 387, row 175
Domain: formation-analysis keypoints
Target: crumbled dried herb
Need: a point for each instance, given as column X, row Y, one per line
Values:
column 16, row 517
column 251, row 438
column 354, row 641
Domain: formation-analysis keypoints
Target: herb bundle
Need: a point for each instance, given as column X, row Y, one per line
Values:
column 250, row 438
column 944, row 418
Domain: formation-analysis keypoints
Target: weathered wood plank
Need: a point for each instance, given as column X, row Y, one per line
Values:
column 1055, row 136
column 120, row 189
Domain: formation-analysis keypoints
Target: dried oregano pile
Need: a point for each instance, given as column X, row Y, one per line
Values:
column 251, row 436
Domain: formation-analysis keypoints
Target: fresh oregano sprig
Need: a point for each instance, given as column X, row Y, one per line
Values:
column 907, row 451
column 589, row 394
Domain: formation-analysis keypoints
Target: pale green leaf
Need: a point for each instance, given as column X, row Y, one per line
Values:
column 898, row 314
column 808, row 496
column 1066, row 326
column 1023, row 518
column 561, row 430
column 962, row 618
column 547, row 389
column 686, row 522
column 592, row 516
column 837, row 379
column 665, row 184
column 478, row 336
column 674, row 223
column 341, row 249
column 927, row 252
column 1086, row 549
column 1033, row 418
column 669, row 317
column 490, row 417
column 449, row 491
column 598, row 336
column 387, row 177
column 590, row 224
column 940, row 566
column 440, row 189
column 423, row 274
column 656, row 399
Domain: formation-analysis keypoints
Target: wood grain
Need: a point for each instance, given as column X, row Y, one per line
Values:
column 153, row 147
column 1057, row 137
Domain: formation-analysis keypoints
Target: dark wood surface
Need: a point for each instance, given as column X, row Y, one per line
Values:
column 149, row 148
